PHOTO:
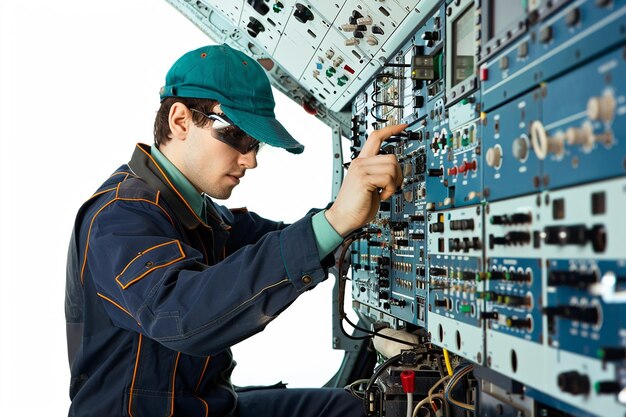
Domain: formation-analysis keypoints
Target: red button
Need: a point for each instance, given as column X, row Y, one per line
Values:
column 484, row 74
column 453, row 171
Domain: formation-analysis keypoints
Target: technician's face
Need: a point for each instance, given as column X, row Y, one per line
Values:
column 213, row 166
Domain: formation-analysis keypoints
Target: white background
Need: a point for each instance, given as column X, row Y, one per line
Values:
column 79, row 84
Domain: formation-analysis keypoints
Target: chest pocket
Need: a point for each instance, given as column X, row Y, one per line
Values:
column 158, row 256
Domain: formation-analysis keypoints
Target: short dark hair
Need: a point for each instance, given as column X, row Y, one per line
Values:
column 162, row 130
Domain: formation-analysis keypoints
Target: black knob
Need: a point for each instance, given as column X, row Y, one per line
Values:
column 383, row 283
column 302, row 13
column 489, row 315
column 566, row 235
column 438, row 271
column 436, row 227
column 441, row 302
column 435, row 172
column 574, row 383
column 578, row 313
column 577, row 279
column 383, row 295
column 418, row 102
column 607, row 387
column 384, row 260
column 519, row 323
column 418, row 217
column 466, row 224
column 612, row 354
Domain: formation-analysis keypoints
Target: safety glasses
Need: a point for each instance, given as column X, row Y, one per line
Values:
column 228, row 133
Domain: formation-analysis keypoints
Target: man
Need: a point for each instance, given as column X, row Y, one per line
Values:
column 162, row 281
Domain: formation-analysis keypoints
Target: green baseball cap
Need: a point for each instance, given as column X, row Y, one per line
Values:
column 238, row 83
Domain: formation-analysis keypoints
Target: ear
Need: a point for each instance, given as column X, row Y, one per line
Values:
column 179, row 121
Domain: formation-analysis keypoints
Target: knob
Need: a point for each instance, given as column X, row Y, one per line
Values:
column 383, row 260
column 519, row 323
column 383, row 283
column 436, row 227
column 583, row 314
column 607, row 387
column 577, row 279
column 467, row 166
column 441, row 302
column 574, row 383
column 601, row 108
column 612, row 354
column 438, row 272
column 302, row 14
column 520, row 148
column 494, row 157
column 254, row 27
column 465, row 224
column 581, row 136
column 544, row 144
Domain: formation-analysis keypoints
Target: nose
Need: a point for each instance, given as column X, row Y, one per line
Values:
column 248, row 160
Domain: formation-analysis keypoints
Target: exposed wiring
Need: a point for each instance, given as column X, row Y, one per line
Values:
column 454, row 380
column 446, row 356
column 409, row 404
column 351, row 388
column 389, row 362
column 428, row 401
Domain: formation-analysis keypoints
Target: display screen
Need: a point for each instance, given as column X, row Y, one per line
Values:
column 503, row 14
column 463, row 46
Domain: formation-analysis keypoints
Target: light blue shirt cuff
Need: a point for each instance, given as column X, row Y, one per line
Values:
column 326, row 236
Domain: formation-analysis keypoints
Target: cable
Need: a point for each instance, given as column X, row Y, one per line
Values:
column 454, row 380
column 398, row 65
column 427, row 401
column 446, row 356
column 351, row 390
column 409, row 404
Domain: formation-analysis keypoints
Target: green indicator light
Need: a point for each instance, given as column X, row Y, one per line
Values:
column 596, row 387
column 330, row 72
column 465, row 140
column 465, row 308
column 464, row 101
column 507, row 276
column 277, row 7
column 600, row 353
column 487, row 275
column 477, row 276
column 341, row 81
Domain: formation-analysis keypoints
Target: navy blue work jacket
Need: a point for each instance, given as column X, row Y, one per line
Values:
column 155, row 297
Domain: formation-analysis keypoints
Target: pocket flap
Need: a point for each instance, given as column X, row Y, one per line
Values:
column 156, row 257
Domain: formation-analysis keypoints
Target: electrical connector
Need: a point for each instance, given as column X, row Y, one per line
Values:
column 408, row 381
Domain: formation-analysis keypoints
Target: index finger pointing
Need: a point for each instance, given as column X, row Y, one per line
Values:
column 373, row 142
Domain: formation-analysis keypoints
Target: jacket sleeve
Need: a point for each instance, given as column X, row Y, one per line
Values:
column 151, row 282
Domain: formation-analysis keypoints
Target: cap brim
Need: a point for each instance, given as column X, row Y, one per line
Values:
column 264, row 128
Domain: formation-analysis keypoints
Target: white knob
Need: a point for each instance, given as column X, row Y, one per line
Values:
column 494, row 156
column 520, row 148
column 601, row 108
column 581, row 136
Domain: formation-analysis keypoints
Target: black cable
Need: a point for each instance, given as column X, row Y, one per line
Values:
column 381, row 369
column 398, row 65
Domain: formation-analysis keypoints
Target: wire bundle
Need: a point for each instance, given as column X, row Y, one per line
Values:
column 454, row 380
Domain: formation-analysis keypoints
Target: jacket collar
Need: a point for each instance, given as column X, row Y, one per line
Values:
column 142, row 163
